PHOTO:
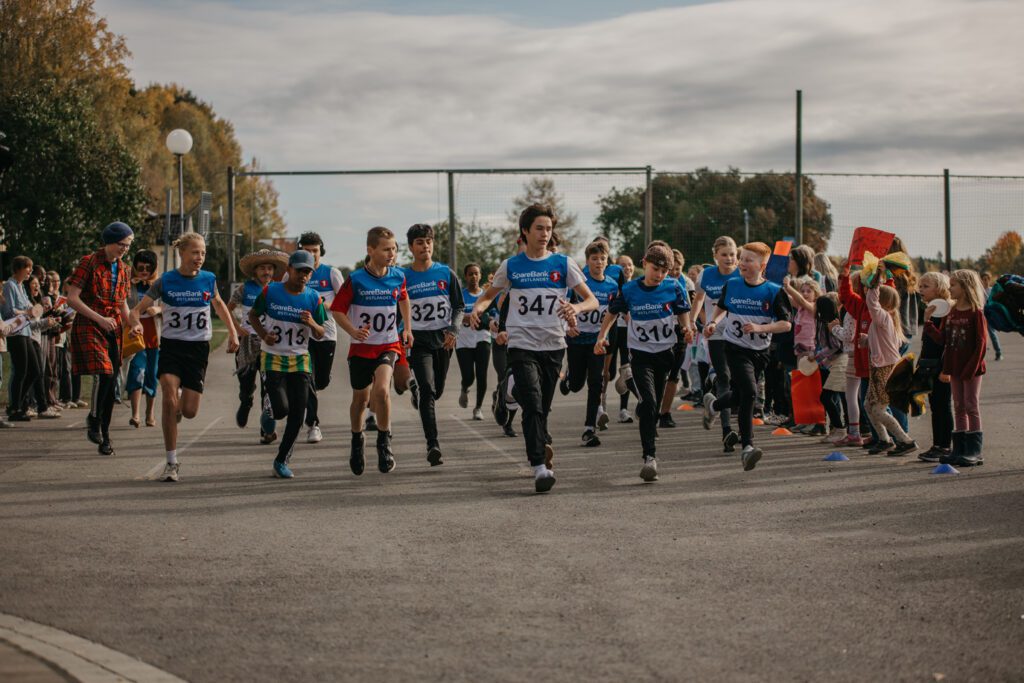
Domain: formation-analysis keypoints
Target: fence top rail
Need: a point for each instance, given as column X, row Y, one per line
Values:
column 840, row 174
column 463, row 171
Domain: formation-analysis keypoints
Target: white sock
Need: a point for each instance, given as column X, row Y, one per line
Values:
column 172, row 457
column 540, row 471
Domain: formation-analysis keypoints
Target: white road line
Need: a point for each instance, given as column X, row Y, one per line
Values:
column 82, row 659
column 73, row 425
column 523, row 469
column 159, row 467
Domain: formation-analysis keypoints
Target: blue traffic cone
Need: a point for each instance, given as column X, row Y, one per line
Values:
column 945, row 469
column 836, row 456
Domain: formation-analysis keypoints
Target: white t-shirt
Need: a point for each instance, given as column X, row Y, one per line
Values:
column 535, row 289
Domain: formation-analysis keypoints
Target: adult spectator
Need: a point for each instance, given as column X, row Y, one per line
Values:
column 823, row 264
column 98, row 291
column 24, row 362
column 39, row 328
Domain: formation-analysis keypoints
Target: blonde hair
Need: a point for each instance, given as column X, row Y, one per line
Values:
column 938, row 280
column 186, row 240
column 970, row 283
column 723, row 241
column 823, row 264
column 808, row 281
column 679, row 258
column 889, row 299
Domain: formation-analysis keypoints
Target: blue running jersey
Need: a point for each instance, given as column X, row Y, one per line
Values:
column 250, row 290
column 652, row 313
column 589, row 323
column 429, row 299
column 711, row 281
column 375, row 304
column 186, row 305
column 758, row 304
column 282, row 315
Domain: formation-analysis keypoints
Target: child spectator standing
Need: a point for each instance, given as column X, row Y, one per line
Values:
column 934, row 290
column 964, row 334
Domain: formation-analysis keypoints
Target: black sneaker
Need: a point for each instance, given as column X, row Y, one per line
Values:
column 933, row 454
column 563, row 386
column 869, row 444
column 357, row 461
column 729, row 442
column 544, row 484
column 750, row 457
column 590, row 439
column 92, row 427
column 371, row 424
column 22, row 417
column 665, row 421
column 508, row 431
column 816, row 430
column 902, row 449
column 106, row 448
column 881, row 447
column 242, row 415
column 434, row 456
column 385, row 458
column 500, row 410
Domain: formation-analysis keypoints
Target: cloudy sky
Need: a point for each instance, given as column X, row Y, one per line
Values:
column 890, row 86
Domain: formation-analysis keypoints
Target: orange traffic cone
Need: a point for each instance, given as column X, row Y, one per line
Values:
column 782, row 431
column 685, row 406
column 758, row 422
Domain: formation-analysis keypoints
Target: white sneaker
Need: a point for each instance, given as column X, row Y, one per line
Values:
column 314, row 435
column 832, row 436
column 649, row 472
column 750, row 456
column 709, row 412
column 478, row 414
column 170, row 472
column 602, row 419
column 31, row 413
column 625, row 374
column 625, row 417
column 49, row 414
column 82, row 404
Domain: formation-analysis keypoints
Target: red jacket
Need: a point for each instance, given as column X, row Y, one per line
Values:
column 855, row 306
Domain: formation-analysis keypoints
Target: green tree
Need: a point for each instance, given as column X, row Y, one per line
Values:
column 690, row 210
column 68, row 179
column 475, row 244
column 541, row 190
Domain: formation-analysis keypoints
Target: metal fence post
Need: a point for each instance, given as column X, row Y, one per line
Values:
column 648, row 210
column 452, row 252
column 231, row 229
column 949, row 223
column 799, row 168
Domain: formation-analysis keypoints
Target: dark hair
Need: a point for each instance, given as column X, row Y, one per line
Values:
column 312, row 238
column 596, row 247
column 145, row 256
column 803, row 256
column 532, row 213
column 20, row 262
column 419, row 231
column 465, row 269
column 826, row 309
column 375, row 235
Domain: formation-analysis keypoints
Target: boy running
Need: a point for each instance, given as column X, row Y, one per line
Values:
column 656, row 304
column 750, row 310
column 435, row 300
column 286, row 316
column 373, row 298
column 538, row 283
column 586, row 367
column 187, row 294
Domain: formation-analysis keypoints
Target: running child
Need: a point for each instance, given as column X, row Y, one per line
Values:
column 435, row 299
column 286, row 316
column 585, row 366
column 187, row 294
column 142, row 366
column 538, row 282
column 964, row 334
column 679, row 350
column 750, row 309
column 655, row 304
column 618, row 355
column 473, row 347
column 261, row 268
column 367, row 308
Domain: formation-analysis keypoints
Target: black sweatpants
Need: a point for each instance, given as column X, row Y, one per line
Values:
column 247, row 384
column 536, row 374
column 105, row 394
column 619, row 350
column 716, row 352
column 744, row 366
column 473, row 367
column 24, row 372
column 430, row 366
column 288, row 393
column 499, row 358
column 586, row 367
column 321, row 355
column 650, row 372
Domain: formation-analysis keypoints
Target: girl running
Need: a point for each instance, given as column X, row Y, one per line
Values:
column 473, row 347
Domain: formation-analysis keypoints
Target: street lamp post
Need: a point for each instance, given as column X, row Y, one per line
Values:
column 179, row 143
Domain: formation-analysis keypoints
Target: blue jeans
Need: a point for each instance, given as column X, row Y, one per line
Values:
column 994, row 338
column 142, row 372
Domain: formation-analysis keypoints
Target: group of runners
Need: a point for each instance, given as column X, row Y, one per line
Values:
column 547, row 323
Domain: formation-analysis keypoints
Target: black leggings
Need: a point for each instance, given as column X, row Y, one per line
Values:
column 107, row 386
column 619, row 351
column 744, row 366
column 473, row 366
column 716, row 352
column 942, row 413
column 499, row 358
column 431, row 369
column 321, row 356
column 586, row 367
column 288, row 393
column 24, row 371
column 650, row 372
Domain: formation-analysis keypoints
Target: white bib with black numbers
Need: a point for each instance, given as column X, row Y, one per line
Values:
column 536, row 290
column 186, row 305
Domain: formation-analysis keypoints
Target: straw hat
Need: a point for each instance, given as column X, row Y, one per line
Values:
column 278, row 259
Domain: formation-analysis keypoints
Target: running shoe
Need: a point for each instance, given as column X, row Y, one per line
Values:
column 31, row 413
column 282, row 471
column 385, row 458
column 933, row 454
column 881, row 447
column 508, row 431
column 563, row 386
column 434, row 456
column 242, row 414
column 750, row 456
column 478, row 414
column 649, row 472
column 81, row 404
column 625, row 417
column 729, row 442
column 501, row 412
column 549, row 455
column 666, row 421
column 357, row 460
column 267, row 439
column 602, row 420
column 869, row 444
column 314, row 435
column 816, row 430
column 4, row 424
column 902, row 449
column 544, row 482
column 92, row 429
column 414, row 393
column 106, row 448
column 625, row 374
column 849, row 440
column 49, row 414
column 590, row 439
column 464, row 398
column 170, row 472
column 22, row 417
column 709, row 411
column 833, row 436
column 371, row 423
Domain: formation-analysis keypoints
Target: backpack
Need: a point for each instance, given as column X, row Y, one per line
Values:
column 1004, row 309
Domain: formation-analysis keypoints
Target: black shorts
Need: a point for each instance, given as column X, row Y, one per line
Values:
column 361, row 370
column 186, row 360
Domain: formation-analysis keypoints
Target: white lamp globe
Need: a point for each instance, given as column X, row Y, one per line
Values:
column 179, row 141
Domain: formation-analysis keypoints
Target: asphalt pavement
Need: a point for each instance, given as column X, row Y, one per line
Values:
column 872, row 569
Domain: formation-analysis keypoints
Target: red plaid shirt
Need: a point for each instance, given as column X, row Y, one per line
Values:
column 90, row 345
